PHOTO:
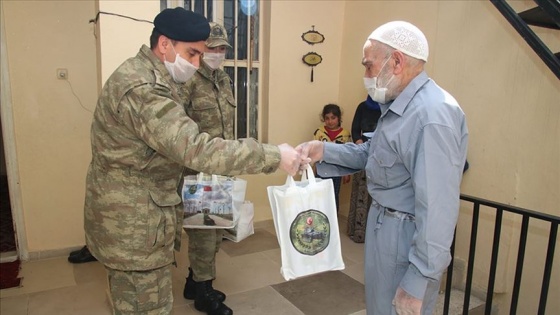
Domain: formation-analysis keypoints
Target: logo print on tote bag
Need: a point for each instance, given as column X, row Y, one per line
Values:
column 204, row 204
column 310, row 232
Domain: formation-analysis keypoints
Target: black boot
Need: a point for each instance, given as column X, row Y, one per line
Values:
column 207, row 300
column 189, row 292
column 81, row 256
column 77, row 251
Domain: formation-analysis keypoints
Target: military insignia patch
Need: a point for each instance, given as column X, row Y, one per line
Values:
column 217, row 32
column 192, row 189
column 310, row 232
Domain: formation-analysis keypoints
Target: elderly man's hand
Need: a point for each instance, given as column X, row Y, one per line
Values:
column 406, row 304
column 289, row 159
column 310, row 152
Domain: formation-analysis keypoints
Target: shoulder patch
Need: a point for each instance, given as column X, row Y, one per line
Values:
column 165, row 109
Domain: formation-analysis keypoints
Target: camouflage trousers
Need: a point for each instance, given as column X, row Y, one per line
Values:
column 203, row 246
column 141, row 292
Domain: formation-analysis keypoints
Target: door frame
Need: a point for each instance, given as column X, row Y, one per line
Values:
column 6, row 116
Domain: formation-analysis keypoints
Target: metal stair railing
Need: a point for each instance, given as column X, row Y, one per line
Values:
column 552, row 9
column 499, row 210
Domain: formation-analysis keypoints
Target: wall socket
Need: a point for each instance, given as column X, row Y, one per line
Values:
column 62, row 74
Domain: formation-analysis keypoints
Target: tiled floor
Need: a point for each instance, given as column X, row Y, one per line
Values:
column 248, row 272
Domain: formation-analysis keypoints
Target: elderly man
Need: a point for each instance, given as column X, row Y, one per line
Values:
column 141, row 140
column 414, row 165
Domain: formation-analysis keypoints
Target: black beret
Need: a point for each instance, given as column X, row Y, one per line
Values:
column 182, row 25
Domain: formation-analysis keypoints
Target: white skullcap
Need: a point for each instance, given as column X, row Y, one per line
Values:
column 404, row 37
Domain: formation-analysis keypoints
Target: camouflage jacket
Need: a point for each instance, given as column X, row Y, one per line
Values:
column 141, row 140
column 209, row 101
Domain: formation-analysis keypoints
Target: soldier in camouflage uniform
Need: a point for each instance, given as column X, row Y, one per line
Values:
column 211, row 104
column 141, row 140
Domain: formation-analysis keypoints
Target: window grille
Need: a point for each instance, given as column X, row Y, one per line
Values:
column 241, row 18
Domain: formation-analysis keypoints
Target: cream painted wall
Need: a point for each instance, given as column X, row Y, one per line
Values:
column 294, row 102
column 120, row 38
column 511, row 100
column 51, row 117
column 509, row 96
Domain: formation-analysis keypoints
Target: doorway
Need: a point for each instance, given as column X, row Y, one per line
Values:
column 7, row 233
column 9, row 250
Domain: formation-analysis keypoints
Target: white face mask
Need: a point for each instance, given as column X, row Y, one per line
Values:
column 214, row 60
column 376, row 93
column 181, row 70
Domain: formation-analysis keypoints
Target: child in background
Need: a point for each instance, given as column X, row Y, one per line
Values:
column 332, row 131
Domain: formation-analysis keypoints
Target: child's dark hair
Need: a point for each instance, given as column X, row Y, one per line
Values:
column 332, row 109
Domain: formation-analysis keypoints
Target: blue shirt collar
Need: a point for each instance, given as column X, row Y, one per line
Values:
column 401, row 102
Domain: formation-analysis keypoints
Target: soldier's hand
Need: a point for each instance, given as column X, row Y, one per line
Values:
column 310, row 152
column 406, row 304
column 289, row 161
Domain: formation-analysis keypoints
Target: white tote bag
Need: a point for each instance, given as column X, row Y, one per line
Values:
column 306, row 224
column 212, row 201
column 244, row 227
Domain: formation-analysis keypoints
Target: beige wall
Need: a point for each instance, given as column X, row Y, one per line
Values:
column 294, row 102
column 121, row 38
column 509, row 96
column 511, row 100
column 51, row 117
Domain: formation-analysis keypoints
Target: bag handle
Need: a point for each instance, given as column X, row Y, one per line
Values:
column 310, row 174
column 214, row 178
column 290, row 181
column 199, row 177
column 306, row 175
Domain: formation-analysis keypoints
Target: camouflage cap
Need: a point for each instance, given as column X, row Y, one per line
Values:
column 218, row 36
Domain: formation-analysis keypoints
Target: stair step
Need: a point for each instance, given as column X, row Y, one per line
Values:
column 456, row 303
column 538, row 17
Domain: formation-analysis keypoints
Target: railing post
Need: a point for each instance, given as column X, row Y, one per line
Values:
column 449, row 277
column 519, row 266
column 494, row 261
column 470, row 266
column 548, row 267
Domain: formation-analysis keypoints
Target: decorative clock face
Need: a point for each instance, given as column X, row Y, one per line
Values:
column 312, row 59
column 312, row 37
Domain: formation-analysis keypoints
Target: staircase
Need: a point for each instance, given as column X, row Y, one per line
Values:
column 476, row 305
column 545, row 14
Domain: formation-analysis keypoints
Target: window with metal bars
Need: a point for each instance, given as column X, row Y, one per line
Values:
column 241, row 20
